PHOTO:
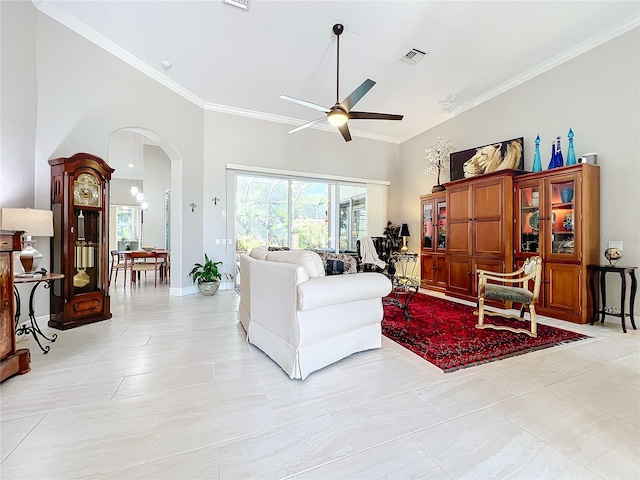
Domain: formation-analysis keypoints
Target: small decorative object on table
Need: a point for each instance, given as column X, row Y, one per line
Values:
column 613, row 255
column 537, row 163
column 207, row 276
column 571, row 153
column 437, row 157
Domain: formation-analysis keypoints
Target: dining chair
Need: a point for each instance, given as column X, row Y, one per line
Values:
column 516, row 290
column 117, row 263
column 139, row 263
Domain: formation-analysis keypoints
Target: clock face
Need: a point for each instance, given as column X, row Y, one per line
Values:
column 86, row 190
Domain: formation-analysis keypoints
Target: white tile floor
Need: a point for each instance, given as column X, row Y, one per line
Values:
column 169, row 389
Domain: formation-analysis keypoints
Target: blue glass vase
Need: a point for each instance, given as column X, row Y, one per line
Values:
column 559, row 160
column 537, row 163
column 571, row 153
column 552, row 162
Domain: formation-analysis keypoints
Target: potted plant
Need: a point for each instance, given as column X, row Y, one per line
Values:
column 207, row 276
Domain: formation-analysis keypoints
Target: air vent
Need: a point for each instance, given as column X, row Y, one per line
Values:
column 243, row 4
column 414, row 56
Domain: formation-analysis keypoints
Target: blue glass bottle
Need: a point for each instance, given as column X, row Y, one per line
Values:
column 559, row 160
column 571, row 153
column 552, row 162
column 537, row 163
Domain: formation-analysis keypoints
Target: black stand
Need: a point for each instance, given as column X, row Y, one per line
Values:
column 33, row 328
column 603, row 310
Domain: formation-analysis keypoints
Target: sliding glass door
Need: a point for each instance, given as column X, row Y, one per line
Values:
column 297, row 213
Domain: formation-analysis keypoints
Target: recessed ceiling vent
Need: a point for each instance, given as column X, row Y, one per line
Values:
column 243, row 4
column 414, row 56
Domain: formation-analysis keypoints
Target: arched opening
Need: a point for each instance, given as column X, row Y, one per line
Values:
column 147, row 162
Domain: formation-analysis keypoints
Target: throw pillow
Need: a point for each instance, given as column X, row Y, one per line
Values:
column 335, row 267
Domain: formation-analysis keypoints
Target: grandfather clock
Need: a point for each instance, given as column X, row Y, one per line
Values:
column 79, row 246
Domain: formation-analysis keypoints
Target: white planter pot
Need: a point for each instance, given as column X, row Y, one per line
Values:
column 208, row 288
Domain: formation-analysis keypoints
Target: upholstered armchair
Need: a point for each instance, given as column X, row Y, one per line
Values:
column 513, row 287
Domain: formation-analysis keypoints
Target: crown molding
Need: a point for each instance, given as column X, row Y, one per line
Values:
column 582, row 47
column 59, row 15
column 56, row 13
column 214, row 107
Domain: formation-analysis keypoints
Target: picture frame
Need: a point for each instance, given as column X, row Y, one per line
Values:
column 507, row 154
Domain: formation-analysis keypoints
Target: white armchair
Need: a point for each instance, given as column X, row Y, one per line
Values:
column 302, row 319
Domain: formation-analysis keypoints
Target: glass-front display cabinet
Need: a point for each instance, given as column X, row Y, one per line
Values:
column 79, row 247
column 545, row 214
column 434, row 241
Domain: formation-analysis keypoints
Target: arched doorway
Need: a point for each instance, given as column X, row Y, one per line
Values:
column 159, row 225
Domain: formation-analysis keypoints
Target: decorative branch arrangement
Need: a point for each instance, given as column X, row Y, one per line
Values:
column 437, row 157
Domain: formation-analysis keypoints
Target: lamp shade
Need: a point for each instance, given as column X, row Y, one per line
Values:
column 36, row 223
column 404, row 230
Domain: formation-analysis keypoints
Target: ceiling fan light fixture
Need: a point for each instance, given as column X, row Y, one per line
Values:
column 337, row 118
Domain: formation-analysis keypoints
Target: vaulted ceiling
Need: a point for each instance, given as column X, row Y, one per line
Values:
column 228, row 59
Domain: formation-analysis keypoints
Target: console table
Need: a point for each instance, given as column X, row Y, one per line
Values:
column 602, row 270
column 33, row 328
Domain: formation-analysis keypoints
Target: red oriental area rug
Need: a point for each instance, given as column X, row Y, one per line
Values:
column 443, row 333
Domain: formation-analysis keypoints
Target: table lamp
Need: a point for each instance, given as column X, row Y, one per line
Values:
column 34, row 223
column 404, row 233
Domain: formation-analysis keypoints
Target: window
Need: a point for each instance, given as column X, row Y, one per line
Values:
column 128, row 222
column 297, row 213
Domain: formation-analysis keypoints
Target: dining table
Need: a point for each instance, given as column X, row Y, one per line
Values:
column 160, row 253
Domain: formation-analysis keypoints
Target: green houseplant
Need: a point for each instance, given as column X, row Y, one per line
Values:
column 207, row 276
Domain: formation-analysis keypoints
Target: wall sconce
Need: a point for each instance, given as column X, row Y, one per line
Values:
column 193, row 207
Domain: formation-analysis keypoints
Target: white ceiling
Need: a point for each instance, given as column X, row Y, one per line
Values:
column 239, row 61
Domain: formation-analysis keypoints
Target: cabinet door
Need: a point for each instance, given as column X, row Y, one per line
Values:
column 562, row 287
column 460, row 276
column 7, row 335
column 441, row 271
column 428, row 270
column 428, row 225
column 459, row 220
column 490, row 265
column 487, row 214
column 562, row 217
column 441, row 224
column 527, row 221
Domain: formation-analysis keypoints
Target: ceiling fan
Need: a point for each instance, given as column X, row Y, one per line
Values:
column 341, row 111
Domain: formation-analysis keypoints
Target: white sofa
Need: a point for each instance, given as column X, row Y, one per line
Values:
column 303, row 319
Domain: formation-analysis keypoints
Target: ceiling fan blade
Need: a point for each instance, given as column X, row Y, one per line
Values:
column 305, row 103
column 308, row 124
column 357, row 94
column 344, row 130
column 374, row 116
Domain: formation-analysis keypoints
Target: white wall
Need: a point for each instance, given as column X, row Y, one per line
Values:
column 597, row 94
column 85, row 94
column 251, row 142
column 18, row 104
column 157, row 178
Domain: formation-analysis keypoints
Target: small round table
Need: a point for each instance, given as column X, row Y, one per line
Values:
column 603, row 310
column 33, row 328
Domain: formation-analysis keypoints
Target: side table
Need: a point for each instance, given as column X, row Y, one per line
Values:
column 603, row 310
column 404, row 285
column 33, row 328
